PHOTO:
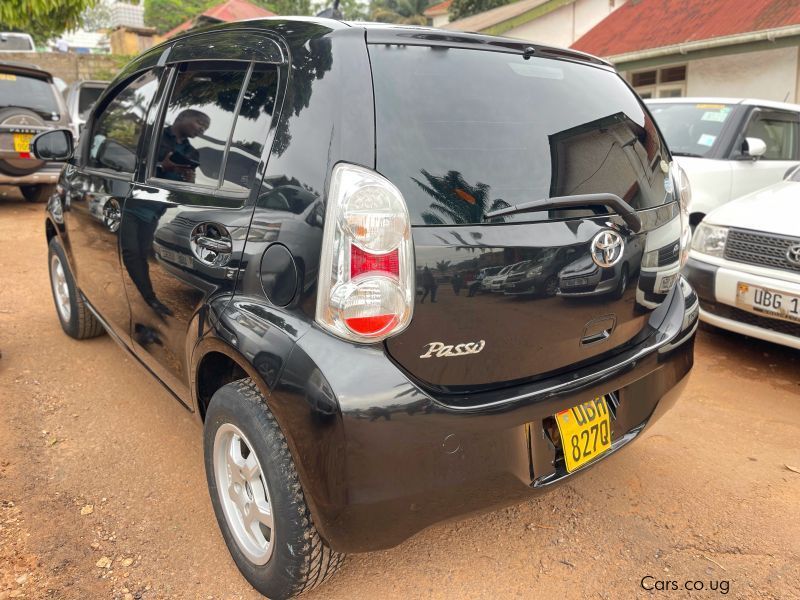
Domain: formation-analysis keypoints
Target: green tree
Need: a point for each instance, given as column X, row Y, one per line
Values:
column 166, row 14
column 456, row 201
column 407, row 12
column 465, row 8
column 289, row 7
column 43, row 19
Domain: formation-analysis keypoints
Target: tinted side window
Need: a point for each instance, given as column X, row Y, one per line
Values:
column 198, row 122
column 119, row 126
column 252, row 125
column 779, row 135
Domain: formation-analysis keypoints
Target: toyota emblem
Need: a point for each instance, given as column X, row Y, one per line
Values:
column 607, row 247
column 793, row 255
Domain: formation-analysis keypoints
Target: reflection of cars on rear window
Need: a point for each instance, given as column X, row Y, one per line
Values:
column 728, row 147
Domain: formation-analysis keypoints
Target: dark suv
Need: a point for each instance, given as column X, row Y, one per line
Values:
column 250, row 210
column 29, row 104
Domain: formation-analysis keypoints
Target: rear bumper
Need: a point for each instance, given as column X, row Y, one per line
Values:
column 380, row 458
column 47, row 175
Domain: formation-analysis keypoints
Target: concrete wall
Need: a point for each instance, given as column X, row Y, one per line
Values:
column 72, row 67
column 566, row 24
column 769, row 75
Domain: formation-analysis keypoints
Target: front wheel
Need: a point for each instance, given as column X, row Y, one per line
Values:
column 257, row 496
column 76, row 319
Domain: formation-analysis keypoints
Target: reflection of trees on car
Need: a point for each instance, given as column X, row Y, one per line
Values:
column 455, row 200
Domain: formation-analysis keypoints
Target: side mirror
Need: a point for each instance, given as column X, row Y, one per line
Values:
column 56, row 145
column 754, row 147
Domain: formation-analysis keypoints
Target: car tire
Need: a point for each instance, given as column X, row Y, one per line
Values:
column 37, row 193
column 10, row 117
column 76, row 319
column 245, row 447
column 551, row 286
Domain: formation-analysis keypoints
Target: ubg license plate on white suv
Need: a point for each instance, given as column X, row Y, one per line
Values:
column 768, row 302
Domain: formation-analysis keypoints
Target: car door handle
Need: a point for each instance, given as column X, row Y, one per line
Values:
column 220, row 246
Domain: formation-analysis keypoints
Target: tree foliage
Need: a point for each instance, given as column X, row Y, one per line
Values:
column 43, row 19
column 407, row 12
column 456, row 201
column 466, row 8
column 166, row 14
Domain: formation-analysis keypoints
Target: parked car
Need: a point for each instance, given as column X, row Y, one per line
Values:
column 339, row 414
column 29, row 104
column 16, row 42
column 486, row 283
column 476, row 285
column 539, row 275
column 745, row 264
column 728, row 147
column 80, row 97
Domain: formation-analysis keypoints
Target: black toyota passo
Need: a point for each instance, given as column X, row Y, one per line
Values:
column 281, row 220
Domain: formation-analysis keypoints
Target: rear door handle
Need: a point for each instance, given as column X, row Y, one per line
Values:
column 211, row 244
column 221, row 246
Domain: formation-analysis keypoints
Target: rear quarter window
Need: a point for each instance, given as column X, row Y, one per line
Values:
column 464, row 132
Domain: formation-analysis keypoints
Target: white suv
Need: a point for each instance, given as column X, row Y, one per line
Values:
column 745, row 264
column 728, row 147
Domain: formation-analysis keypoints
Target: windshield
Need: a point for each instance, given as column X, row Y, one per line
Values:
column 10, row 42
column 34, row 94
column 464, row 132
column 691, row 129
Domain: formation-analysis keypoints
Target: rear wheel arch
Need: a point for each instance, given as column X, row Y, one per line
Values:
column 50, row 230
column 215, row 368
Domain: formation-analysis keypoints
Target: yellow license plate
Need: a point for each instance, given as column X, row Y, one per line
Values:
column 585, row 432
column 22, row 142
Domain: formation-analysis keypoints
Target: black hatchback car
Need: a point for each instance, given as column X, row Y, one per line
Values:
column 250, row 211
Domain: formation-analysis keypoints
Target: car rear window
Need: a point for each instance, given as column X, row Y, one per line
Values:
column 88, row 96
column 34, row 94
column 691, row 129
column 464, row 132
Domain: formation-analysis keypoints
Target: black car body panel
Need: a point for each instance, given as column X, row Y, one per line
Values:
column 383, row 448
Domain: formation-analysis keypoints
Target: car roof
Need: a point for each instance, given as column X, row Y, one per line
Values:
column 391, row 33
column 28, row 69
column 720, row 100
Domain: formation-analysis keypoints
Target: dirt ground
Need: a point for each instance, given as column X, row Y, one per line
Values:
column 103, row 495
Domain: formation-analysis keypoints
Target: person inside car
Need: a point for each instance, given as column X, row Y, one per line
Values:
column 177, row 158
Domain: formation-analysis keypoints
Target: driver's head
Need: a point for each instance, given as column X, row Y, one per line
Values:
column 191, row 123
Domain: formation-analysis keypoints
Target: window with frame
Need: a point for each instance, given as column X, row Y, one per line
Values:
column 669, row 82
column 780, row 136
column 118, row 127
column 201, row 139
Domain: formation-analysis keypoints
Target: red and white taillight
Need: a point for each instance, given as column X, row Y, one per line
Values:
column 366, row 283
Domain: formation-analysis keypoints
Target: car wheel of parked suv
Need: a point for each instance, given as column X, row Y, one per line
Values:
column 76, row 319
column 37, row 193
column 257, row 496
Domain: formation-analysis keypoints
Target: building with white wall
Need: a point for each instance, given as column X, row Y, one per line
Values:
column 551, row 22
column 668, row 48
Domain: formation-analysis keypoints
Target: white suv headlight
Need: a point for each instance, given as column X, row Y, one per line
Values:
column 710, row 239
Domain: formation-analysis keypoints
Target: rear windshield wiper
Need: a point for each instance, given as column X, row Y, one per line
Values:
column 575, row 201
